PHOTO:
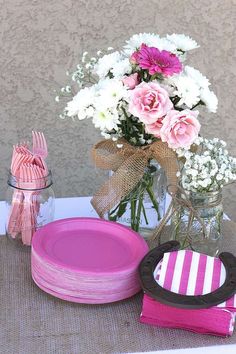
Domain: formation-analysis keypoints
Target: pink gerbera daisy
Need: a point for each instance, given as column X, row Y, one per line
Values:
column 156, row 61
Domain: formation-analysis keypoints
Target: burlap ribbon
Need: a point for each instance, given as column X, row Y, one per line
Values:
column 128, row 164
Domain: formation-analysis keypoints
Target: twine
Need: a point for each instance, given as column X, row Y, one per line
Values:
column 185, row 203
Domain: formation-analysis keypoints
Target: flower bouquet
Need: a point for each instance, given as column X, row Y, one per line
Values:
column 143, row 99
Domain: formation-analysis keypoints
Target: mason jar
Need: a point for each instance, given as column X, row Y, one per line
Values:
column 143, row 208
column 197, row 224
column 30, row 205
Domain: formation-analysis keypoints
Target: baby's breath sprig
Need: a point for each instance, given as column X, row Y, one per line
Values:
column 81, row 77
column 208, row 168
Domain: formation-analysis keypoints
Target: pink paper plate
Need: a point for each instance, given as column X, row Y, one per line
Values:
column 89, row 246
column 62, row 284
column 83, row 300
column 87, row 260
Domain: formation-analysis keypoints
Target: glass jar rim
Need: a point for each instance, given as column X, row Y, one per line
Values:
column 14, row 182
column 204, row 193
column 197, row 199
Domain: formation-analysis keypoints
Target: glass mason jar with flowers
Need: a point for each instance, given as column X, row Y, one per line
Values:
column 197, row 206
column 142, row 98
column 144, row 206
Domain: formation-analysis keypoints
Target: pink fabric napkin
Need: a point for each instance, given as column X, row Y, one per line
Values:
column 190, row 273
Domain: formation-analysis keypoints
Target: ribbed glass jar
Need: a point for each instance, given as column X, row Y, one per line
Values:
column 30, row 205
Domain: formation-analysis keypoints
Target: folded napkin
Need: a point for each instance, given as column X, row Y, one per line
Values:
column 190, row 273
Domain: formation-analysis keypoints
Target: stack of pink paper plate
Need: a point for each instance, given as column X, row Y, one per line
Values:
column 87, row 260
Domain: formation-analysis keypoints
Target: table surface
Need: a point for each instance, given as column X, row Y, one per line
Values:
column 73, row 207
column 64, row 208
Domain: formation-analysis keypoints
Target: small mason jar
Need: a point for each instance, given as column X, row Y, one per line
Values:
column 198, row 227
column 143, row 208
column 30, row 205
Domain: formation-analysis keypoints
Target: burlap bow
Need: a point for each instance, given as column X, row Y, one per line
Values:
column 128, row 163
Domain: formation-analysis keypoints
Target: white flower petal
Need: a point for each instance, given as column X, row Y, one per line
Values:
column 197, row 76
column 182, row 41
column 136, row 40
column 186, row 89
column 106, row 63
column 80, row 102
column 209, row 98
column 121, row 68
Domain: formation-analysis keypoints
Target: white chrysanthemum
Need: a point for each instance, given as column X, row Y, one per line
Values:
column 182, row 41
column 105, row 118
column 209, row 98
column 150, row 39
column 165, row 44
column 121, row 68
column 81, row 104
column 186, row 89
column 109, row 93
column 136, row 40
column 197, row 76
column 106, row 63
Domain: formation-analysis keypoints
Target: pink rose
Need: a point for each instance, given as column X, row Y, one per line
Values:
column 149, row 101
column 180, row 128
column 131, row 81
column 154, row 128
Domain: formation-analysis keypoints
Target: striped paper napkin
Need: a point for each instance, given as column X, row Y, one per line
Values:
column 190, row 273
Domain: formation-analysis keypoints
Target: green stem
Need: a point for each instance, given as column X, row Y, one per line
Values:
column 137, row 218
column 154, row 202
column 126, row 123
column 121, row 210
column 144, row 214
column 218, row 220
column 114, row 210
column 133, row 212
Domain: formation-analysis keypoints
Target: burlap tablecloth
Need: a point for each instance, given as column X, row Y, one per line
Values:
column 33, row 322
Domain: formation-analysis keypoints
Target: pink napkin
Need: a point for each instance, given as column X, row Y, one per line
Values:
column 190, row 273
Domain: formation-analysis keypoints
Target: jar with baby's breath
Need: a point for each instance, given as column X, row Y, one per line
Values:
column 197, row 206
column 196, row 221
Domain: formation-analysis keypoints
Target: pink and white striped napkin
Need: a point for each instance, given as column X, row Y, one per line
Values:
column 190, row 273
